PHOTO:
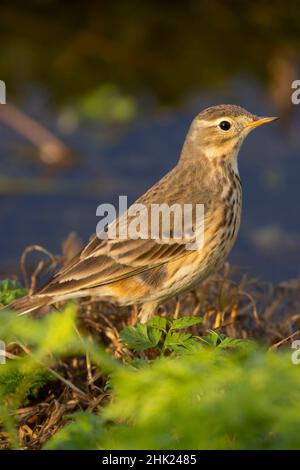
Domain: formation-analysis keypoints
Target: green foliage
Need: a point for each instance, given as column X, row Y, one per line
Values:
column 10, row 290
column 13, row 380
column 195, row 393
column 108, row 104
column 204, row 400
column 161, row 334
column 54, row 333
column 44, row 342
column 24, row 375
column 216, row 340
column 140, row 337
column 185, row 322
column 85, row 432
column 53, row 336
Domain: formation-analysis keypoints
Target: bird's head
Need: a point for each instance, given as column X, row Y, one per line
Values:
column 219, row 131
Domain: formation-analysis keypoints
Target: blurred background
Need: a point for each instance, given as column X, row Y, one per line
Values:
column 100, row 96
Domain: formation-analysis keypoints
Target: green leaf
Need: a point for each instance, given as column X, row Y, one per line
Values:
column 158, row 322
column 176, row 339
column 10, row 290
column 212, row 339
column 235, row 343
column 13, row 380
column 140, row 337
column 184, row 322
column 221, row 341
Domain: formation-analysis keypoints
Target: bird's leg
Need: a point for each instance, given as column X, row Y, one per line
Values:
column 147, row 311
column 134, row 315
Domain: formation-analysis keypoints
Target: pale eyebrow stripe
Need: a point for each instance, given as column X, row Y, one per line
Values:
column 213, row 122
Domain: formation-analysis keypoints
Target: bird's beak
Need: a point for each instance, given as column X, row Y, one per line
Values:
column 261, row 120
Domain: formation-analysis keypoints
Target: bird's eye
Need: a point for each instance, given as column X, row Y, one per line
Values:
column 225, row 125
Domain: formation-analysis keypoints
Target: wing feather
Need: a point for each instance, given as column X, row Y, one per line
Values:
column 104, row 261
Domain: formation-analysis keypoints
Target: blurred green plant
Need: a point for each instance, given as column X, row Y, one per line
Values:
column 204, row 400
column 107, row 103
column 161, row 334
column 9, row 291
column 207, row 392
column 85, row 432
column 43, row 342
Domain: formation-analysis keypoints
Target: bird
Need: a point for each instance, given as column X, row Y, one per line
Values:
column 147, row 271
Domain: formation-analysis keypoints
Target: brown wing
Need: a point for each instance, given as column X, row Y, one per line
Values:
column 109, row 260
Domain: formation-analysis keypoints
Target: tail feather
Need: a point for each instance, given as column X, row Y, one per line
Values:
column 28, row 304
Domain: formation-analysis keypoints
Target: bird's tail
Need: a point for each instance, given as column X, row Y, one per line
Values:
column 27, row 304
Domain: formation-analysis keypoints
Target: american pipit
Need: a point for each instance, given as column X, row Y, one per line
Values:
column 148, row 271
